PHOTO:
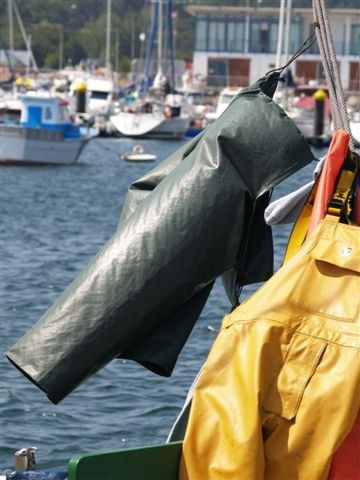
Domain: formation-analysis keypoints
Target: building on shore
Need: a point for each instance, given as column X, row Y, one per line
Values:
column 235, row 45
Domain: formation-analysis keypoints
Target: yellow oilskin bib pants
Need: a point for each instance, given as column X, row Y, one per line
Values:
column 280, row 389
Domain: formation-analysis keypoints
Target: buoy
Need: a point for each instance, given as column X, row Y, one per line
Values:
column 319, row 117
column 137, row 155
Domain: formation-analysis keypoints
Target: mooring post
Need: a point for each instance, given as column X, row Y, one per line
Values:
column 319, row 117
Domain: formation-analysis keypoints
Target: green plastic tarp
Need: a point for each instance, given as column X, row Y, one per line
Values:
column 195, row 217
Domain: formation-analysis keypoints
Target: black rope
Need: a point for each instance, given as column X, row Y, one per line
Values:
column 308, row 43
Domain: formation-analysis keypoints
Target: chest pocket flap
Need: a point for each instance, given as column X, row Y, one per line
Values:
column 343, row 254
column 286, row 390
column 329, row 284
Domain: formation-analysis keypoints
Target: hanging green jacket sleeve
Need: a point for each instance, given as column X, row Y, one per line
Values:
column 142, row 293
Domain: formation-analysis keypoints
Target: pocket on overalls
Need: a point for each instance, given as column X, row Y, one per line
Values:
column 329, row 285
column 286, row 390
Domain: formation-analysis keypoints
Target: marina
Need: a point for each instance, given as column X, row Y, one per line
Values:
column 172, row 175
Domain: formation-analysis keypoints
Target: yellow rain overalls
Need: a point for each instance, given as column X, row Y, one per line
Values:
column 280, row 389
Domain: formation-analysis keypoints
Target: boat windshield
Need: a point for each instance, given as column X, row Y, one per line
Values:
column 99, row 95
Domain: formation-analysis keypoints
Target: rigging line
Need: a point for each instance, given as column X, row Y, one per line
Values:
column 328, row 68
column 331, row 69
column 338, row 83
column 329, row 77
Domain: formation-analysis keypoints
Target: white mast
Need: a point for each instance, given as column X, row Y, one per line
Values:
column 280, row 34
column 159, row 74
column 108, row 31
column 11, row 26
column 24, row 35
column 287, row 29
column 28, row 60
column 160, row 32
column 287, row 35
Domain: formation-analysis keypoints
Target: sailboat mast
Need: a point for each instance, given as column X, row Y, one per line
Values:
column 160, row 27
column 11, row 25
column 287, row 36
column 280, row 34
column 171, row 44
column 108, row 31
column 287, row 29
column 24, row 35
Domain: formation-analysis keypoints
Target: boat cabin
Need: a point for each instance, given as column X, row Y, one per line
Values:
column 101, row 92
column 50, row 113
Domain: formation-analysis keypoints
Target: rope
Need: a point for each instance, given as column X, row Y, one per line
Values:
column 331, row 69
column 308, row 43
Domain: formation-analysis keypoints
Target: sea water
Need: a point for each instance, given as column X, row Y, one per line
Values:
column 53, row 221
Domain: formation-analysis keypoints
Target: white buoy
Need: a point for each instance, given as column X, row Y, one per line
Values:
column 137, row 155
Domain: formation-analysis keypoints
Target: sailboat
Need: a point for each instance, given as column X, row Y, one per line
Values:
column 156, row 109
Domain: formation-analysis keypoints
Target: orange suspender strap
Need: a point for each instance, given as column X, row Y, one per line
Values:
column 334, row 161
column 338, row 171
column 301, row 225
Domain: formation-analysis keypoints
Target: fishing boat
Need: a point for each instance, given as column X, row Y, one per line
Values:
column 46, row 134
column 156, row 111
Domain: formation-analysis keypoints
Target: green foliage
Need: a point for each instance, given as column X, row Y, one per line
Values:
column 80, row 27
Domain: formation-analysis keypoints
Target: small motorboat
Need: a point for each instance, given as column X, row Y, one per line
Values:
column 137, row 155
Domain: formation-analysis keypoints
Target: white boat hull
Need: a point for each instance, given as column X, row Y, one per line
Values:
column 154, row 125
column 31, row 146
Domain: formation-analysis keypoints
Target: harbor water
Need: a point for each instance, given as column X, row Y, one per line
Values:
column 53, row 221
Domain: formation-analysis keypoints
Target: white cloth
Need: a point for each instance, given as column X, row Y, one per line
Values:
column 286, row 209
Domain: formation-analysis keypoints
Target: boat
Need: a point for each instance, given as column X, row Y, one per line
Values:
column 45, row 135
column 196, row 104
column 226, row 96
column 156, row 110
column 10, row 107
column 152, row 119
column 138, row 155
column 101, row 92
